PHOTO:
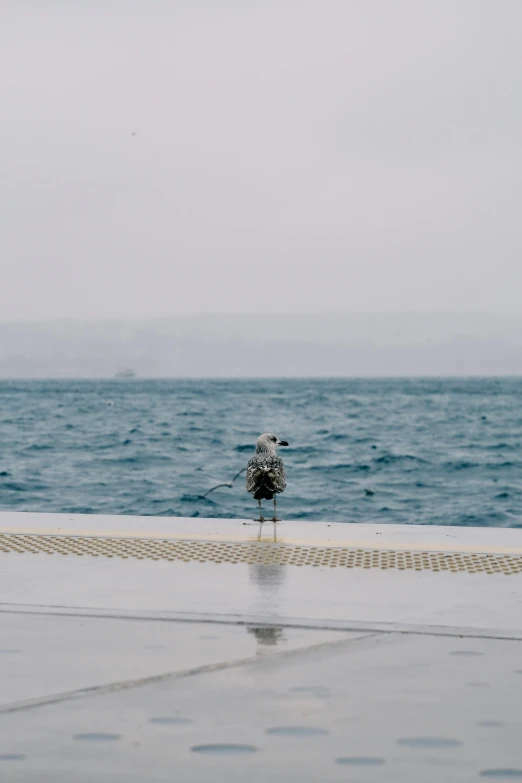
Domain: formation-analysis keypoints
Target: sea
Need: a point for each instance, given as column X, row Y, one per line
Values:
column 441, row 451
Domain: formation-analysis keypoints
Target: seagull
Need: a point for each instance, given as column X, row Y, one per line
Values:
column 265, row 476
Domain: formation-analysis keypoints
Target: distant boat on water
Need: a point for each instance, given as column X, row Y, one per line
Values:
column 125, row 373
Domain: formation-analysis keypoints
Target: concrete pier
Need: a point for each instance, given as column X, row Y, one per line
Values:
column 159, row 649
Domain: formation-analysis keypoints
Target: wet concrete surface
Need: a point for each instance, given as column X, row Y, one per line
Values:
column 160, row 671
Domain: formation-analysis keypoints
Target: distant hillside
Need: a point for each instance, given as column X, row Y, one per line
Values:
column 260, row 345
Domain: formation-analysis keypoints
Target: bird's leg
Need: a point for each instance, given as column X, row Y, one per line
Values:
column 274, row 518
column 261, row 517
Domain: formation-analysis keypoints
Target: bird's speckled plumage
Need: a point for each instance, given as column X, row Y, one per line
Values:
column 265, row 476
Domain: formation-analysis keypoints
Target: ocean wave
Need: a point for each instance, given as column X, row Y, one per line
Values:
column 141, row 460
column 197, row 499
column 347, row 466
column 462, row 465
column 16, row 486
column 492, row 519
column 390, row 459
column 80, row 510
column 165, row 512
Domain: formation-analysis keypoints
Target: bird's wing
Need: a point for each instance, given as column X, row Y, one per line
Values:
column 265, row 470
column 277, row 473
column 254, row 474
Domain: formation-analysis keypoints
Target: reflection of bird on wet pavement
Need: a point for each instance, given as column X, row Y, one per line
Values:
column 266, row 634
column 266, row 580
column 265, row 477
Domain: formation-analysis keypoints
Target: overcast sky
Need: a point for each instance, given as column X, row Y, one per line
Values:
column 288, row 156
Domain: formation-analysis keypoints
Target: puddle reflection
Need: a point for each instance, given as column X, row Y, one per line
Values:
column 267, row 579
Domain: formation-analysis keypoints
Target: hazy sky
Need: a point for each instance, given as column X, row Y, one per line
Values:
column 289, row 156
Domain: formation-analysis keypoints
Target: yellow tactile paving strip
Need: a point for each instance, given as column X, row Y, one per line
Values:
column 260, row 552
column 285, row 535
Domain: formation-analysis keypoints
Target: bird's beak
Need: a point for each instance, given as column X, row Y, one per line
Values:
column 282, row 443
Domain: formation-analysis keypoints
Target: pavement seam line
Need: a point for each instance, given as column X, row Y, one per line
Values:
column 340, row 626
column 123, row 685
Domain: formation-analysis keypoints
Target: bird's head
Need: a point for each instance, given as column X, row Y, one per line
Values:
column 269, row 442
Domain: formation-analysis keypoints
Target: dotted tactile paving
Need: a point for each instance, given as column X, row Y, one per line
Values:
column 260, row 552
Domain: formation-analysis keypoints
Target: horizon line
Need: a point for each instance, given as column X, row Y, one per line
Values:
column 276, row 314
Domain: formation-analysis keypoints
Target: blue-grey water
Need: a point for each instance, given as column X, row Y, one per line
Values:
column 442, row 451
